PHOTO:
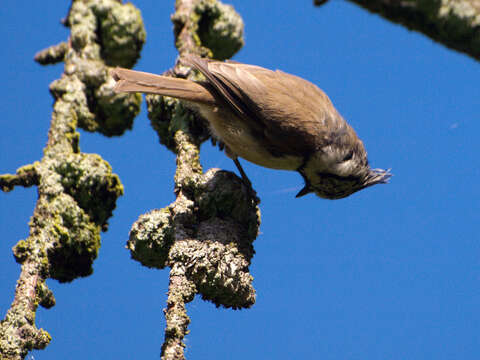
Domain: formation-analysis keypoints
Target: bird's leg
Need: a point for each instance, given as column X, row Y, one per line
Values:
column 246, row 181
column 245, row 178
column 234, row 157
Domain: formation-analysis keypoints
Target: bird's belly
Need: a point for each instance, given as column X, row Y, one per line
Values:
column 250, row 150
column 234, row 133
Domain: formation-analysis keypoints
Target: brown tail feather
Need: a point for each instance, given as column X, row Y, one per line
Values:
column 138, row 81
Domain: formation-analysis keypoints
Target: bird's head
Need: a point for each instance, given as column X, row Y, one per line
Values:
column 335, row 174
column 331, row 186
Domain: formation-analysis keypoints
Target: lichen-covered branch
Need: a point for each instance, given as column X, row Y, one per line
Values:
column 77, row 192
column 206, row 238
column 453, row 23
column 206, row 235
column 180, row 292
column 52, row 55
column 207, row 27
column 26, row 176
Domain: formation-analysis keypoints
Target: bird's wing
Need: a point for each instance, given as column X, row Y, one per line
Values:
column 292, row 115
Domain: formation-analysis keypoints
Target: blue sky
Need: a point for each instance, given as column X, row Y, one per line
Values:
column 392, row 272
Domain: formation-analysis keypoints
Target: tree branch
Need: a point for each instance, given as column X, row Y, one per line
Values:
column 52, row 55
column 77, row 192
column 188, row 180
column 453, row 23
column 26, row 176
column 206, row 235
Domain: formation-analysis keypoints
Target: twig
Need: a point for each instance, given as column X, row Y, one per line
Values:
column 25, row 176
column 52, row 55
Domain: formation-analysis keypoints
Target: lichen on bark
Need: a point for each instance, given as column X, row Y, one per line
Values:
column 220, row 28
column 77, row 192
column 207, row 27
column 217, row 247
column 453, row 23
column 103, row 32
column 205, row 236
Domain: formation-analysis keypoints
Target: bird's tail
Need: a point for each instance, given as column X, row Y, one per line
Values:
column 138, row 81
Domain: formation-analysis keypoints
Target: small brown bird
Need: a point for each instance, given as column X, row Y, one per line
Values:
column 272, row 119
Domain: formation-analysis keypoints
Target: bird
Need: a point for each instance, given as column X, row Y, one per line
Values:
column 270, row 118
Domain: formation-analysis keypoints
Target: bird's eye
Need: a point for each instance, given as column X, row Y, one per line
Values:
column 348, row 156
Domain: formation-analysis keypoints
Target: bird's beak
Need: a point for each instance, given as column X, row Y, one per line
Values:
column 306, row 190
